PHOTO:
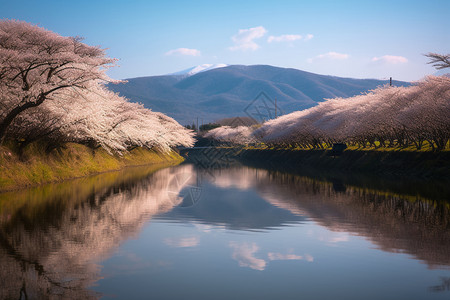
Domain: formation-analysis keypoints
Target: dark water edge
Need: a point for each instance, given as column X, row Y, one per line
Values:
column 390, row 164
column 417, row 174
column 423, row 175
column 414, row 188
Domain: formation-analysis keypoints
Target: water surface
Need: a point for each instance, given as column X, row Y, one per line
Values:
column 232, row 233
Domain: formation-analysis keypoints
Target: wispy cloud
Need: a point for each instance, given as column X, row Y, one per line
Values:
column 244, row 254
column 244, row 39
column 184, row 51
column 330, row 55
column 289, row 38
column 284, row 38
column 390, row 59
column 308, row 37
column 183, row 242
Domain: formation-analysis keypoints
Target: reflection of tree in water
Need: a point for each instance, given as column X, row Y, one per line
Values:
column 420, row 227
column 52, row 255
column 442, row 287
column 51, row 238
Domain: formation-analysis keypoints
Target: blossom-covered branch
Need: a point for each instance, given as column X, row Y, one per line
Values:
column 52, row 87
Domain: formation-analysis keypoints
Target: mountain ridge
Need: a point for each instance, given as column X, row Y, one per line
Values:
column 229, row 91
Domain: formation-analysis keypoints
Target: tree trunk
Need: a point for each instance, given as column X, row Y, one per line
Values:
column 14, row 113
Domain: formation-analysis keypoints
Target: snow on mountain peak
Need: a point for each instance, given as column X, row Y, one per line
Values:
column 198, row 69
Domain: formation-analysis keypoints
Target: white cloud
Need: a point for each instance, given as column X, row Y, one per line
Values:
column 183, row 242
column 244, row 39
column 390, row 59
column 284, row 38
column 330, row 55
column 333, row 55
column 308, row 37
column 243, row 253
column 184, row 51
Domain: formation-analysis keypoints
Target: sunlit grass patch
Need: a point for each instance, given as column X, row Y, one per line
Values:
column 36, row 165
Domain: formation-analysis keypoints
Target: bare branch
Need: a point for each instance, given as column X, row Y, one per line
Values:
column 439, row 61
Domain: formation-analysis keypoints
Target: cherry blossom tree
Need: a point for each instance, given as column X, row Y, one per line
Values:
column 235, row 135
column 36, row 65
column 386, row 116
column 100, row 118
column 52, row 88
column 427, row 117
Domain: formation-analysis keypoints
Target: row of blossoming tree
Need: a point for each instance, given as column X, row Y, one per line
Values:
column 52, row 88
column 384, row 117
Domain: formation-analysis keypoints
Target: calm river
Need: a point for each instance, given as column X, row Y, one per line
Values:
column 234, row 233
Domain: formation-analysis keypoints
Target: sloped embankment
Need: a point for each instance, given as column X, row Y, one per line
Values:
column 36, row 165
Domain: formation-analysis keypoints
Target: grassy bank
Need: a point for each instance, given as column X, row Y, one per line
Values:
column 36, row 165
column 34, row 202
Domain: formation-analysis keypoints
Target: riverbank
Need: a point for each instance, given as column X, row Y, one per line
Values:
column 36, row 166
column 414, row 164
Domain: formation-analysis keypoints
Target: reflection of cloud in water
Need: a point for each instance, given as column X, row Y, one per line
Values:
column 338, row 239
column 242, row 178
column 280, row 256
column 183, row 242
column 289, row 256
column 205, row 228
column 330, row 237
column 243, row 253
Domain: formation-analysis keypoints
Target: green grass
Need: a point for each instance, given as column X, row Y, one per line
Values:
column 410, row 148
column 426, row 147
column 35, row 166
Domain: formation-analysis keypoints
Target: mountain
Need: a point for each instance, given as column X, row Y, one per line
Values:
column 237, row 90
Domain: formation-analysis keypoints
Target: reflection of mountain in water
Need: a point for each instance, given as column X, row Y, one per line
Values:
column 234, row 209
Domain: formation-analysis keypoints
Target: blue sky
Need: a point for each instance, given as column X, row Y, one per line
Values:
column 361, row 39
